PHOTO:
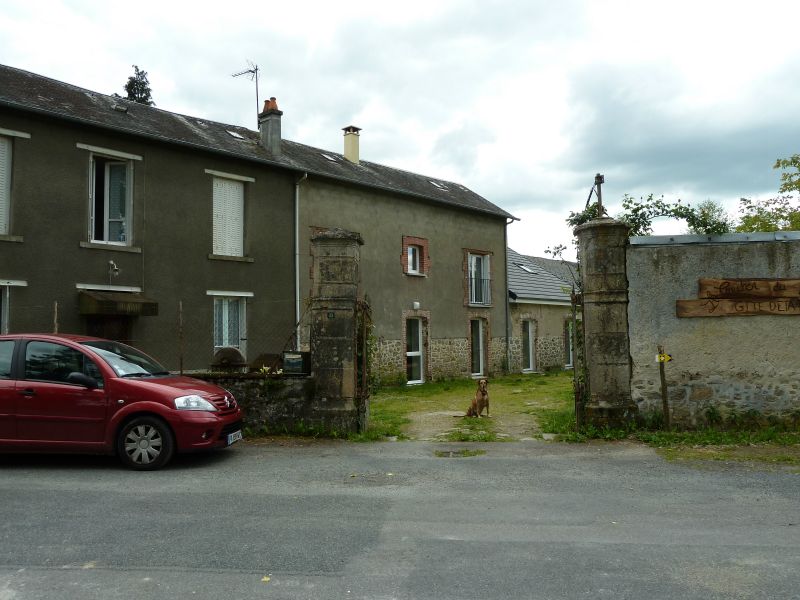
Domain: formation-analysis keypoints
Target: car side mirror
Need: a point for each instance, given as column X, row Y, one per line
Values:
column 84, row 380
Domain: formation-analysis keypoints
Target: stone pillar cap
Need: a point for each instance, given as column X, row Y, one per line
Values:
column 337, row 233
column 601, row 222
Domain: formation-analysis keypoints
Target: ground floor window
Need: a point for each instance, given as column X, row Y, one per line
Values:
column 568, row 346
column 477, row 342
column 528, row 346
column 414, row 355
column 4, row 294
column 229, row 322
column 6, row 285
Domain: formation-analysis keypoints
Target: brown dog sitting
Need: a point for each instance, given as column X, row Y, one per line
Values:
column 480, row 401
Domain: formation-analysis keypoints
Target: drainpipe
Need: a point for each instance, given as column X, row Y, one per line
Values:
column 508, row 325
column 297, row 260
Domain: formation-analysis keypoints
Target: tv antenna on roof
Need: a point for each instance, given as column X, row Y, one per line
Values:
column 253, row 72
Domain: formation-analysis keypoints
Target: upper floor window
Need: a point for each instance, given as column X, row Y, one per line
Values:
column 110, row 195
column 415, row 256
column 111, row 200
column 228, row 213
column 414, row 259
column 479, row 279
column 6, row 148
column 5, row 184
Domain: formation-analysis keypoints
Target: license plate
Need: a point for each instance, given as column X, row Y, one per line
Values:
column 234, row 437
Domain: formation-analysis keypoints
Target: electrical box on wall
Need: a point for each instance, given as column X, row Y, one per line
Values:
column 296, row 363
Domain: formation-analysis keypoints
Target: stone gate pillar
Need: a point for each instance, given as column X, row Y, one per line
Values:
column 602, row 244
column 334, row 300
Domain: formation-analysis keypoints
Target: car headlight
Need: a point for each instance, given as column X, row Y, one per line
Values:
column 194, row 402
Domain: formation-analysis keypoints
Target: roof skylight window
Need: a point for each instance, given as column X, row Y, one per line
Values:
column 526, row 268
column 438, row 185
column 236, row 135
column 329, row 157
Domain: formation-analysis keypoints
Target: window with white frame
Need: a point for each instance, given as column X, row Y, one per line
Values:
column 528, row 345
column 230, row 322
column 5, row 302
column 477, row 346
column 414, row 355
column 414, row 262
column 5, row 185
column 111, row 199
column 415, row 256
column 569, row 349
column 228, row 217
column 478, row 275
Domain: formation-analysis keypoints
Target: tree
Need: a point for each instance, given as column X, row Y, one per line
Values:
column 791, row 181
column 138, row 88
column 708, row 218
column 773, row 214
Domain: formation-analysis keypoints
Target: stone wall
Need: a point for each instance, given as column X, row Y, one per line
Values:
column 276, row 405
column 724, row 364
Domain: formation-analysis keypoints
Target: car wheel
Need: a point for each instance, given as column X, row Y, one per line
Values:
column 145, row 444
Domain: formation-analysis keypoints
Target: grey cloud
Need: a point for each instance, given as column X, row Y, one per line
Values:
column 626, row 128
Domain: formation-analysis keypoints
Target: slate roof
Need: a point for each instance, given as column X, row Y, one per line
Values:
column 30, row 92
column 527, row 280
column 566, row 271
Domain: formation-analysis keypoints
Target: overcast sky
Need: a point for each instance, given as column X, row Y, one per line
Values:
column 523, row 101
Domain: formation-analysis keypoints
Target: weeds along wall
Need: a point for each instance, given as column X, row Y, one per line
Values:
column 733, row 343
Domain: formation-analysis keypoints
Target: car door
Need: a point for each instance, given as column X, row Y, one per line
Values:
column 49, row 409
column 8, row 429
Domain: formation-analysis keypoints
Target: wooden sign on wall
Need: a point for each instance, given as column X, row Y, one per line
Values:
column 742, row 297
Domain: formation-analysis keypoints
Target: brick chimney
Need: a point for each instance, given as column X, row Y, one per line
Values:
column 351, row 143
column 269, row 125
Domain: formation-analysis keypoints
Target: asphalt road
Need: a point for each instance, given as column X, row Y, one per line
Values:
column 394, row 520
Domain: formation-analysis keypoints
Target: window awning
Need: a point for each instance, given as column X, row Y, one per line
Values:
column 94, row 302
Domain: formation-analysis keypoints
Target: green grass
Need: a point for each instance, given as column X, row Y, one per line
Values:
column 473, row 429
column 534, row 394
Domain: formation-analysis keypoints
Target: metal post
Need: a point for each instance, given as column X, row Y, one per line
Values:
column 55, row 317
column 180, row 336
column 599, row 180
column 662, row 375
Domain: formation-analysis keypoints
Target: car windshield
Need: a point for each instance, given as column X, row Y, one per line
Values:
column 126, row 361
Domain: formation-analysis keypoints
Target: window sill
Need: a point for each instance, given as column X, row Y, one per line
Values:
column 245, row 259
column 473, row 305
column 112, row 247
column 416, row 274
column 11, row 238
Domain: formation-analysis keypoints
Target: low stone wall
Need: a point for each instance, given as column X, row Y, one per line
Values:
column 449, row 358
column 693, row 397
column 285, row 404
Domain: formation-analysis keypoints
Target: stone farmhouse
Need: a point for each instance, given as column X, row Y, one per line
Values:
column 540, row 313
column 185, row 236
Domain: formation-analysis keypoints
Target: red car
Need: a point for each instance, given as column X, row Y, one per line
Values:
column 81, row 394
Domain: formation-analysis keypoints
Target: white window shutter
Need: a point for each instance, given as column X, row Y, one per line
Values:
column 5, row 184
column 228, row 217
